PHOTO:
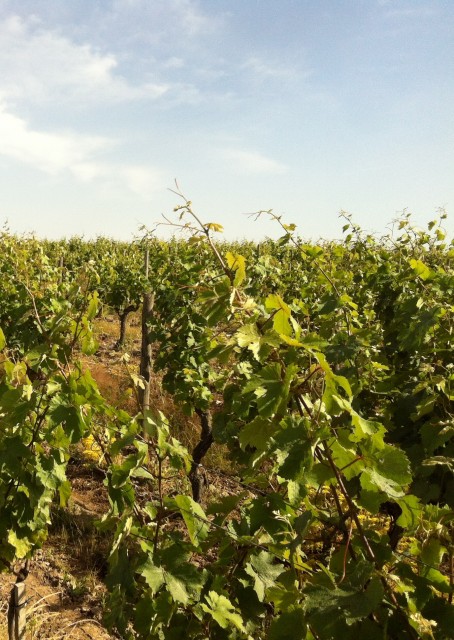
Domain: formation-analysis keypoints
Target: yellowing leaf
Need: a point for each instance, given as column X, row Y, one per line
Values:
column 237, row 263
column 22, row 545
column 249, row 336
column 421, row 269
column 281, row 317
column 291, row 341
column 214, row 226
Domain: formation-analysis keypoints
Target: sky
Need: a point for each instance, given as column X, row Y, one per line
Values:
column 305, row 107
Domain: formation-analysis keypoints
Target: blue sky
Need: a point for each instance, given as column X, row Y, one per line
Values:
column 306, row 107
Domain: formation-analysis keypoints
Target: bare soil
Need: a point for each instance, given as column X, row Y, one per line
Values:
column 64, row 588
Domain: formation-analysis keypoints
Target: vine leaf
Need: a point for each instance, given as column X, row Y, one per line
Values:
column 248, row 336
column 257, row 434
column 271, row 388
column 421, row 269
column 264, row 572
column 215, row 301
column 223, row 611
column 194, row 518
column 154, row 576
column 327, row 607
column 237, row 263
column 282, row 315
column 387, row 470
column 290, row 625
column 411, row 512
column 22, row 545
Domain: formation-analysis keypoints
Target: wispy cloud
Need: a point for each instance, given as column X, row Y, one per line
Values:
column 74, row 154
column 250, row 162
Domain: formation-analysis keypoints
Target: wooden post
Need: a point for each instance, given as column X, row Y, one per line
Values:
column 17, row 614
column 20, row 614
column 146, row 358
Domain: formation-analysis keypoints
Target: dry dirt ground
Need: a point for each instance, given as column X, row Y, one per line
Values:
column 65, row 588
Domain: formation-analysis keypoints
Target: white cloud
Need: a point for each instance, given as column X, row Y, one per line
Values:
column 49, row 152
column 250, row 162
column 46, row 67
column 78, row 155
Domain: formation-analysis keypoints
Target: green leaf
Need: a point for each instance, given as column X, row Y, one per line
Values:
column 71, row 420
column 290, row 625
column 372, row 481
column 216, row 301
column 64, row 491
column 386, row 469
column 366, row 429
column 257, row 433
column 177, row 588
column 432, row 554
column 120, row 473
column 2, row 340
column 183, row 579
column 325, row 607
column 271, row 388
column 223, row 611
column 154, row 576
column 262, row 568
column 294, row 449
column 93, row 306
column 194, row 517
column 411, row 512
column 226, row 504
column 442, row 612
column 89, row 345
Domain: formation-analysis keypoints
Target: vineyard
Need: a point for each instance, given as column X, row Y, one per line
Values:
column 295, row 478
